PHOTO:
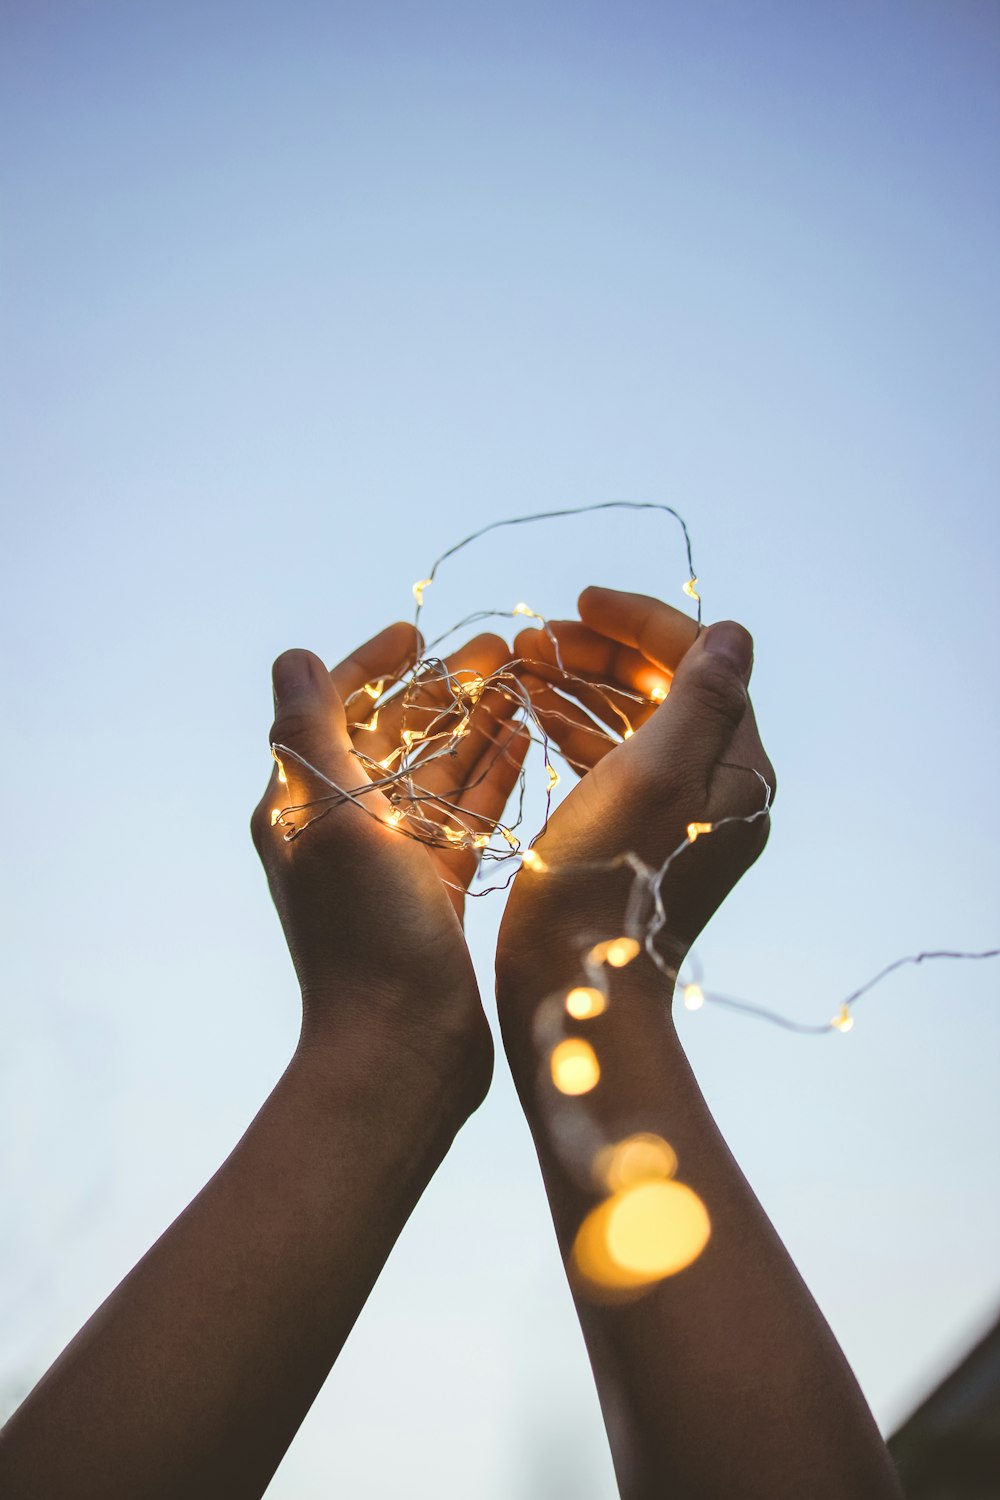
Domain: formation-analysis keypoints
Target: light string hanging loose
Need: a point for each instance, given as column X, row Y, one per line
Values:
column 647, row 1224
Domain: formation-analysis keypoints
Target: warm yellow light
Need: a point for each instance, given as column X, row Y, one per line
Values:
column 627, row 732
column 638, row 1158
column 282, row 778
column 658, row 693
column 657, row 1228
column 395, row 817
column 526, row 609
column 690, row 589
column 575, row 1069
column 617, row 952
column 694, row 829
column 472, row 689
column 275, row 815
column 375, row 689
column 553, row 777
column 411, row 736
column 584, row 1002
column 453, row 835
column 843, row 1020
column 693, row 997
column 418, row 589
column 373, row 721
column 532, row 860
column 644, row 1232
column 511, row 838
column 480, row 841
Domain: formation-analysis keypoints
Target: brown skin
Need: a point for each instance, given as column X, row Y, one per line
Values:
column 193, row 1377
column 723, row 1380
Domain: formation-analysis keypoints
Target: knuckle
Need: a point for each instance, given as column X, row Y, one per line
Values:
column 719, row 690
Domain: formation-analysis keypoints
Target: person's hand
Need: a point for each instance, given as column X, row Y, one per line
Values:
column 372, row 917
column 655, row 768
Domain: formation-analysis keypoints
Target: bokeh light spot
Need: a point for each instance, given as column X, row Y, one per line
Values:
column 585, row 1001
column 575, row 1069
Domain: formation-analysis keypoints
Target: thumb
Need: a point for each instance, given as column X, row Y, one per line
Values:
column 309, row 717
column 708, row 696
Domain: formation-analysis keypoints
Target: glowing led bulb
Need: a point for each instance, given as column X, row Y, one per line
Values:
column 843, row 1020
column 694, row 999
column 627, row 732
column 473, row 689
column 411, row 736
column 584, row 1002
column 526, row 609
column 373, row 721
column 395, row 817
column 658, row 693
column 453, row 835
column 690, row 589
column 480, row 841
column 511, row 838
column 553, row 777
column 282, row 778
column 574, row 1065
column 617, row 952
column 418, row 589
column 375, row 689
column 275, row 815
column 694, row 829
column 532, row 860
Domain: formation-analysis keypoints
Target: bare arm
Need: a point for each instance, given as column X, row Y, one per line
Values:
column 194, row 1375
column 722, row 1379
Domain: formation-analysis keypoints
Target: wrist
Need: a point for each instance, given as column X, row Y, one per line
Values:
column 435, row 1049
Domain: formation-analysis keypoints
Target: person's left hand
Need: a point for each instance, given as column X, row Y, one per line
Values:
column 371, row 915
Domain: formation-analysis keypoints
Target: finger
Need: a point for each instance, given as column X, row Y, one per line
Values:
column 496, row 774
column 581, row 742
column 591, row 655
column 415, row 708
column 483, row 801
column 309, row 734
column 621, row 710
column 451, row 764
column 384, row 658
column 707, row 707
column 660, row 632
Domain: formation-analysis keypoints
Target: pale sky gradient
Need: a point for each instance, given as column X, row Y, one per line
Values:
column 293, row 297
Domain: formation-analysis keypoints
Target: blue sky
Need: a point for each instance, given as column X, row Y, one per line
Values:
column 292, row 298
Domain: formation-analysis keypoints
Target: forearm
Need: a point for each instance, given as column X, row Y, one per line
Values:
column 724, row 1378
column 194, row 1375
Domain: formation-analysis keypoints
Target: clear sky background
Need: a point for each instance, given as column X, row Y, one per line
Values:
column 293, row 297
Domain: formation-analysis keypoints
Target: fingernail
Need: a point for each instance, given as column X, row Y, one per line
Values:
column 731, row 641
column 290, row 675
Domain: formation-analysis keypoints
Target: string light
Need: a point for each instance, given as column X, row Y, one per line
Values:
column 650, row 1225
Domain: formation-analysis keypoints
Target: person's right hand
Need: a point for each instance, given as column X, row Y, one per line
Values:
column 691, row 759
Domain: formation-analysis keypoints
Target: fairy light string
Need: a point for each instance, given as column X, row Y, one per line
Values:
column 647, row 1224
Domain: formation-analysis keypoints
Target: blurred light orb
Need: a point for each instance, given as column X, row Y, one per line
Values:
column 585, row 1001
column 575, row 1069
column 640, row 1235
column 638, row 1158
